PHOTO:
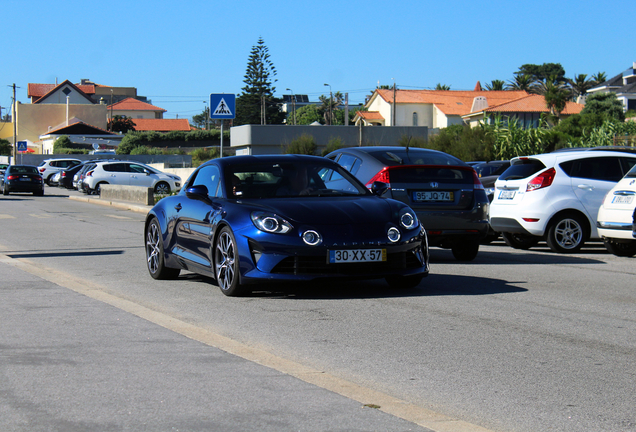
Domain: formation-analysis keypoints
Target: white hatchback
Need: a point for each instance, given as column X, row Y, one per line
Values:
column 129, row 173
column 556, row 196
column 616, row 217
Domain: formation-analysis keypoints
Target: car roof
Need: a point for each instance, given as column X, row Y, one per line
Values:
column 288, row 158
column 552, row 158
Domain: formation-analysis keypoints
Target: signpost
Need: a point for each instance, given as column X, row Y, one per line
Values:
column 22, row 147
column 222, row 106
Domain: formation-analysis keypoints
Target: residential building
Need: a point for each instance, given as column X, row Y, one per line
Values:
column 83, row 136
column 135, row 109
column 527, row 110
column 430, row 108
column 623, row 85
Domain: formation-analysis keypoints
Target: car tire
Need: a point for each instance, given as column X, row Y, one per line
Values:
column 162, row 188
column 466, row 251
column 520, row 241
column 98, row 188
column 226, row 263
column 5, row 191
column 39, row 193
column 621, row 249
column 403, row 282
column 566, row 233
column 155, row 254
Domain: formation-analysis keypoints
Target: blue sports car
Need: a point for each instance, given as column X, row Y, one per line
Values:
column 245, row 220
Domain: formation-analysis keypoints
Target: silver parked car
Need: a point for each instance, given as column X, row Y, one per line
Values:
column 128, row 173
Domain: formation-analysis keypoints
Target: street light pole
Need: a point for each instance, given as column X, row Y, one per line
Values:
column 330, row 105
column 293, row 98
column 207, row 115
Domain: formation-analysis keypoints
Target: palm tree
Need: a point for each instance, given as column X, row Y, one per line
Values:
column 330, row 105
column 441, row 86
column 521, row 82
column 580, row 85
column 599, row 78
column 495, row 85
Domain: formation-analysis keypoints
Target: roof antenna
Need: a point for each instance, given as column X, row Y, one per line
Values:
column 407, row 146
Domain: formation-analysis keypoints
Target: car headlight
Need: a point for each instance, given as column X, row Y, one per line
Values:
column 270, row 223
column 408, row 219
column 393, row 234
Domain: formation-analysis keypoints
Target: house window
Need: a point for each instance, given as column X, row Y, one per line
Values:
column 414, row 119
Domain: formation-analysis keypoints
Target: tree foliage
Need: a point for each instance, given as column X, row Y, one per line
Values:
column 61, row 142
column 542, row 72
column 605, row 104
column 441, row 86
column 5, row 147
column 121, row 123
column 257, row 104
column 304, row 144
column 495, row 85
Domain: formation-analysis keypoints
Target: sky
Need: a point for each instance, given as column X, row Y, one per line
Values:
column 176, row 53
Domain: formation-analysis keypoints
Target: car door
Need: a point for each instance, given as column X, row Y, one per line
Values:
column 197, row 217
column 139, row 175
column 591, row 179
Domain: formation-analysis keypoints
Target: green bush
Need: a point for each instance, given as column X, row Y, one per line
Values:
column 304, row 144
column 333, row 144
column 202, row 155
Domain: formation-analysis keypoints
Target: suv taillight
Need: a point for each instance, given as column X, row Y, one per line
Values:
column 89, row 174
column 544, row 179
column 382, row 176
column 42, row 170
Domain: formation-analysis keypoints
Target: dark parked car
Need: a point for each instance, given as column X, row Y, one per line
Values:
column 22, row 178
column 286, row 218
column 445, row 192
column 489, row 172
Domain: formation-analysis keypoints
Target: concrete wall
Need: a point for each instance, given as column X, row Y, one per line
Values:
column 34, row 119
column 133, row 194
column 272, row 139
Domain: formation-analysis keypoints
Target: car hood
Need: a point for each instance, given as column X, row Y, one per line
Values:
column 337, row 210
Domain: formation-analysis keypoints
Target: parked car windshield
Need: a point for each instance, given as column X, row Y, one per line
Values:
column 20, row 169
column 522, row 168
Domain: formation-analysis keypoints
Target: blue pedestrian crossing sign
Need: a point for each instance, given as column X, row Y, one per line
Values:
column 22, row 146
column 222, row 106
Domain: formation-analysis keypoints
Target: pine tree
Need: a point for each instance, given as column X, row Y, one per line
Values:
column 257, row 104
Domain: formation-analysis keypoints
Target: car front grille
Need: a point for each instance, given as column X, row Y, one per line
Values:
column 299, row 265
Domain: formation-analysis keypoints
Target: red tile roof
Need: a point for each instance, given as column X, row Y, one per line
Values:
column 450, row 102
column 162, row 125
column 370, row 115
column 533, row 103
column 131, row 104
column 38, row 90
column 62, row 84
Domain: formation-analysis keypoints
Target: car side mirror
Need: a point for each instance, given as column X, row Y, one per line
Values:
column 379, row 188
column 199, row 192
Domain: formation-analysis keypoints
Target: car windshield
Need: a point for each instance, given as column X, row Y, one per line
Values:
column 521, row 169
column 18, row 169
column 402, row 156
column 285, row 180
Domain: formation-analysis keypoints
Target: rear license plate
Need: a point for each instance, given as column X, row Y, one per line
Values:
column 25, row 179
column 425, row 196
column 357, row 255
column 506, row 194
column 622, row 199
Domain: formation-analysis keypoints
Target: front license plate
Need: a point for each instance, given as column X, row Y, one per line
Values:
column 357, row 255
column 622, row 199
column 507, row 194
column 423, row 196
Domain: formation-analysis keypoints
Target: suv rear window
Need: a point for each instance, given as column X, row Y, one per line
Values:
column 428, row 174
column 526, row 168
column 414, row 157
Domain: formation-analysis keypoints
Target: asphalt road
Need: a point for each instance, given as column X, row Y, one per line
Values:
column 513, row 341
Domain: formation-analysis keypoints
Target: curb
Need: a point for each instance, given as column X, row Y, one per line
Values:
column 117, row 204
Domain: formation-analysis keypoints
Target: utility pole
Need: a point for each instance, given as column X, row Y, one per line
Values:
column 394, row 106
column 15, row 128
